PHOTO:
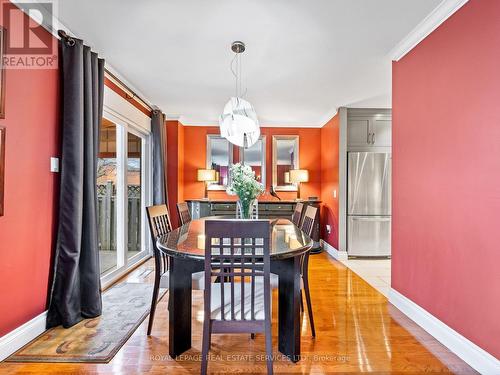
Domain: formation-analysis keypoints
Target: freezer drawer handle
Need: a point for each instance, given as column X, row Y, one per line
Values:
column 371, row 219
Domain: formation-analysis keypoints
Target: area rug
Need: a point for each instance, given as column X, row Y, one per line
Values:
column 97, row 340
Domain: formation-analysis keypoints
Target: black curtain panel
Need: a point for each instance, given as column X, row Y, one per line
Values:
column 76, row 289
column 158, row 131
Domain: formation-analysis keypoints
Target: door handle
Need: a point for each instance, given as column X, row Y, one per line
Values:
column 383, row 219
column 368, row 137
column 373, row 138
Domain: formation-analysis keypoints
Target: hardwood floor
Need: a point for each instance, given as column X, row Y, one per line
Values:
column 357, row 331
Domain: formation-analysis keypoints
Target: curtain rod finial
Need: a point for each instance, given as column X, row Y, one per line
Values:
column 64, row 36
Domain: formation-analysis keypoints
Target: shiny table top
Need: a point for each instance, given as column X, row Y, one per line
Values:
column 189, row 240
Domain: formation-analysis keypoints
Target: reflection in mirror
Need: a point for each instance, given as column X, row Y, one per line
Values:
column 285, row 158
column 255, row 157
column 219, row 157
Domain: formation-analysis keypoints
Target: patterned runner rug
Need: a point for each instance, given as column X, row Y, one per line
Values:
column 125, row 306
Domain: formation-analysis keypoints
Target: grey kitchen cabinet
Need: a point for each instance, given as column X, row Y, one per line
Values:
column 381, row 130
column 358, row 132
column 369, row 128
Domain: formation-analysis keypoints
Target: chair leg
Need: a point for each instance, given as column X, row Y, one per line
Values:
column 205, row 346
column 154, row 299
column 309, row 304
column 301, row 302
column 269, row 348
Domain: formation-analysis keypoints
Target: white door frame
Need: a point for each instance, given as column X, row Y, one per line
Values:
column 128, row 120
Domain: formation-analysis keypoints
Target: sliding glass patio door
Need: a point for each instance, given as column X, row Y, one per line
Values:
column 122, row 189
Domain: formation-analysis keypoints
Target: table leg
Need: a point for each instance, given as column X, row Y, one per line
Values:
column 179, row 330
column 288, row 271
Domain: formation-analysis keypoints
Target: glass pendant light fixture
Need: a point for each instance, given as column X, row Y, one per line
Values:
column 238, row 122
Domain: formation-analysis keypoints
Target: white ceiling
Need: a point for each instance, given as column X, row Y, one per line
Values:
column 304, row 58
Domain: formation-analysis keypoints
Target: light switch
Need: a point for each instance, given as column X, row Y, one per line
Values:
column 54, row 165
column 328, row 229
column 335, row 193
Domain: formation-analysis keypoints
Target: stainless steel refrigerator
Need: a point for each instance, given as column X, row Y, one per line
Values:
column 369, row 204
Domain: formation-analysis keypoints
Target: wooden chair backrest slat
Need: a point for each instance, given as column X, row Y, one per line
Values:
column 309, row 220
column 184, row 214
column 297, row 213
column 159, row 221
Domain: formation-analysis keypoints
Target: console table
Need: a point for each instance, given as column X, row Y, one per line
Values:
column 267, row 210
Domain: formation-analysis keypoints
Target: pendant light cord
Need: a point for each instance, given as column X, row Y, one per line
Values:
column 237, row 75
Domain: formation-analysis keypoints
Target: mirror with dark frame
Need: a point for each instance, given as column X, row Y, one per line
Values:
column 285, row 158
column 219, row 158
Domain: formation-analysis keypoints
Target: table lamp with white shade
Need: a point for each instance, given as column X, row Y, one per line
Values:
column 207, row 176
column 287, row 178
column 297, row 176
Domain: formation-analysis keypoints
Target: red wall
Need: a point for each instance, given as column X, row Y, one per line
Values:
column 309, row 158
column 27, row 229
column 330, row 180
column 446, row 173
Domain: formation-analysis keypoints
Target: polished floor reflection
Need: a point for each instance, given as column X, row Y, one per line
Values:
column 376, row 272
column 357, row 331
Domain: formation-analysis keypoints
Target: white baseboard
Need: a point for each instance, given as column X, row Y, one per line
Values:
column 473, row 355
column 16, row 339
column 334, row 253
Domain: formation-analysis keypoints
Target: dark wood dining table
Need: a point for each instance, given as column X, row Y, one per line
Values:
column 185, row 247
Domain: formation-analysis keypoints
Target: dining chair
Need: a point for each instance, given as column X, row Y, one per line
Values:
column 308, row 223
column 159, row 225
column 297, row 213
column 183, row 211
column 237, row 251
column 309, row 220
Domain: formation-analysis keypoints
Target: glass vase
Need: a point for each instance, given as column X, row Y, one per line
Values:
column 245, row 208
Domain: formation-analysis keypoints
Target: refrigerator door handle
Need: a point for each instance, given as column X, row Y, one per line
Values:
column 376, row 218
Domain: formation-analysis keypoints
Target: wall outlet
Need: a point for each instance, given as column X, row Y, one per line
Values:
column 328, row 229
column 54, row 165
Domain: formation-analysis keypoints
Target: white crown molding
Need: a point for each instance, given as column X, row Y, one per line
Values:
column 473, row 355
column 267, row 124
column 328, row 116
column 16, row 339
column 440, row 14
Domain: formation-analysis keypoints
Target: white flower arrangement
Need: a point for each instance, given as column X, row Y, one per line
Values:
column 244, row 184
